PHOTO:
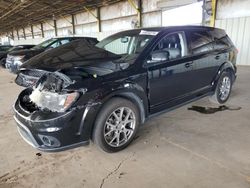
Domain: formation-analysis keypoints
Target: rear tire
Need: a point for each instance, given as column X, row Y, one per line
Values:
column 116, row 125
column 223, row 88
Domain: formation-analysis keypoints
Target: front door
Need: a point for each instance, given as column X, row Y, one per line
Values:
column 170, row 79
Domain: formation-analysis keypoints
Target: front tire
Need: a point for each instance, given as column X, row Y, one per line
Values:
column 223, row 89
column 116, row 125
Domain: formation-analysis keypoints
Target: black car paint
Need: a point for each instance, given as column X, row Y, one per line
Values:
column 29, row 53
column 33, row 52
column 154, row 88
column 63, row 58
column 75, row 54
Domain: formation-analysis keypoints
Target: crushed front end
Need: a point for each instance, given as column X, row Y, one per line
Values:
column 53, row 118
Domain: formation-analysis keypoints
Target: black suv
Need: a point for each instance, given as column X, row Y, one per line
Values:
column 105, row 92
column 16, row 58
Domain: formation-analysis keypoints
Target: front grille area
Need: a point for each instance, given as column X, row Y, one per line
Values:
column 34, row 73
column 28, row 78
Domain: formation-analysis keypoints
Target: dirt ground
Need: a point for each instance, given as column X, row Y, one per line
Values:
column 178, row 149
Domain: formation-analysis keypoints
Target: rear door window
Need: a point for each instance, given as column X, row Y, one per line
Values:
column 200, row 42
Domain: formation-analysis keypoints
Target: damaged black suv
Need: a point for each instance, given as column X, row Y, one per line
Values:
column 105, row 92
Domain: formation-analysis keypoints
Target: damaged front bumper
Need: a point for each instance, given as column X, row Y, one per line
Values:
column 54, row 131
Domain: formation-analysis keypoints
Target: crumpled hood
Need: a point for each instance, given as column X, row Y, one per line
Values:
column 74, row 54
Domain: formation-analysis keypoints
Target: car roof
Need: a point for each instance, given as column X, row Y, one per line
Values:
column 5, row 45
column 172, row 28
column 24, row 45
column 66, row 37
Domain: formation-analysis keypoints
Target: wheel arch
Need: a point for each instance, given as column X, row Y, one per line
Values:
column 137, row 98
column 226, row 66
column 141, row 104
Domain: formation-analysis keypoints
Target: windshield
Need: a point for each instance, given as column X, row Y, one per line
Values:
column 127, row 44
column 44, row 44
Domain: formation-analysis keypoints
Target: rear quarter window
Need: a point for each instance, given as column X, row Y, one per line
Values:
column 221, row 40
column 222, row 43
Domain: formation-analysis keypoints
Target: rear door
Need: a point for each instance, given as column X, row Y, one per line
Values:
column 205, row 62
column 222, row 45
column 170, row 81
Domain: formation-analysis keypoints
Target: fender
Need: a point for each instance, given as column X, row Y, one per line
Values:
column 132, row 92
column 136, row 96
column 133, row 88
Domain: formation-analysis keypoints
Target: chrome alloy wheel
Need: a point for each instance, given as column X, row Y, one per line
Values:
column 119, row 126
column 225, row 88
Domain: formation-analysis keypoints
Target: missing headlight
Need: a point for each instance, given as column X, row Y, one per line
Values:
column 53, row 101
column 49, row 93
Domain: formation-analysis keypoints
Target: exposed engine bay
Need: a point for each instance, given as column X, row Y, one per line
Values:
column 53, row 82
column 48, row 94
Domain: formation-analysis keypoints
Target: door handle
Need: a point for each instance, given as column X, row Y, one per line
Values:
column 217, row 57
column 187, row 65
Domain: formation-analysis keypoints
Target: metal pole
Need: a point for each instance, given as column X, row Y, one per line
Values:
column 213, row 17
column 24, row 34
column 139, row 13
column 42, row 30
column 32, row 32
column 138, row 10
column 55, row 27
column 73, row 24
column 99, row 20
column 12, row 34
column 204, row 13
column 17, row 34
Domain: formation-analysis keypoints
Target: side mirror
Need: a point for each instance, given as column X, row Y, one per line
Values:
column 124, row 39
column 158, row 56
